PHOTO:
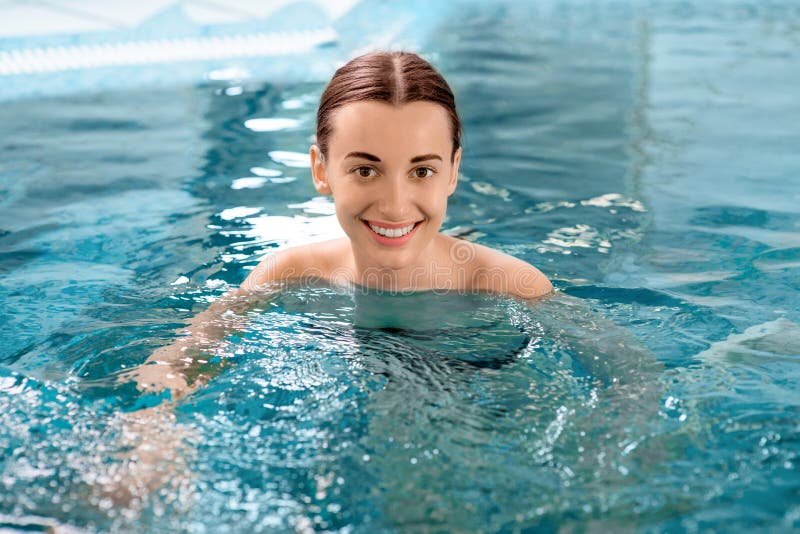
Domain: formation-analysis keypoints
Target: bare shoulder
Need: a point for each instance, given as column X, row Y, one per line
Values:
column 498, row 272
column 313, row 260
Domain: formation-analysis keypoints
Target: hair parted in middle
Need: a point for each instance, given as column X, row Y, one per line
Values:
column 393, row 77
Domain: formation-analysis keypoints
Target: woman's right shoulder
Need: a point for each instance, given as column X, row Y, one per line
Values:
column 311, row 260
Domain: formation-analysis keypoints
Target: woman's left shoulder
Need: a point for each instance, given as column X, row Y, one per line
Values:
column 497, row 272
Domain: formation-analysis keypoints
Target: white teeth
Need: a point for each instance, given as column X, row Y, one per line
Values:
column 396, row 232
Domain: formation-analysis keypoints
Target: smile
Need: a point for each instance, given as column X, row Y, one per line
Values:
column 391, row 232
column 394, row 234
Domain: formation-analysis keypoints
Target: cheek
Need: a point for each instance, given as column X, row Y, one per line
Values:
column 344, row 197
column 436, row 203
column 348, row 204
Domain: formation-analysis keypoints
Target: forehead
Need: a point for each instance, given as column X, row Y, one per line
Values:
column 387, row 130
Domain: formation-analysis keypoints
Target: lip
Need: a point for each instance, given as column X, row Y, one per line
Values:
column 392, row 241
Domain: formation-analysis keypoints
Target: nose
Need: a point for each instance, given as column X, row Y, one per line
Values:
column 394, row 204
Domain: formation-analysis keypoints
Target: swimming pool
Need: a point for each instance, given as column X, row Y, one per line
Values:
column 644, row 158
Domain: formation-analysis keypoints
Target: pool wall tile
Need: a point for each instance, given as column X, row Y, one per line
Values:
column 20, row 19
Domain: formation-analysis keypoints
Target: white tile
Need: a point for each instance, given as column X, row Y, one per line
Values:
column 204, row 13
column 258, row 9
column 20, row 20
column 43, row 17
column 123, row 14
column 337, row 8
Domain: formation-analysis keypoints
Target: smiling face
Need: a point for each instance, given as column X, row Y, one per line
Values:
column 390, row 172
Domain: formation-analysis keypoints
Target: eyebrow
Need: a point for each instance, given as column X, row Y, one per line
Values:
column 370, row 157
column 425, row 157
column 362, row 155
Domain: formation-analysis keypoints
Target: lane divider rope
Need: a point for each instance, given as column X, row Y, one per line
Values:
column 62, row 58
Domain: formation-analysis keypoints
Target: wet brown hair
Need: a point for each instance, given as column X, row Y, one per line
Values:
column 393, row 77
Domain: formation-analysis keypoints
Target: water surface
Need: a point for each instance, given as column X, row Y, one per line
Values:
column 643, row 158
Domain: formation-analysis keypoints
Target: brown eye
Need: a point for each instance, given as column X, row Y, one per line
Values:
column 364, row 172
column 423, row 172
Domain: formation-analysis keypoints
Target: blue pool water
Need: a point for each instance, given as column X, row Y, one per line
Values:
column 645, row 158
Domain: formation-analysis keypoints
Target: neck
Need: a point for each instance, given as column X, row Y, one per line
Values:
column 426, row 272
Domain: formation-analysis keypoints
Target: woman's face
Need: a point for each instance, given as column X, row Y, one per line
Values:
column 389, row 171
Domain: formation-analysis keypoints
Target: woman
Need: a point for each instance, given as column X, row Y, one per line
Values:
column 388, row 148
